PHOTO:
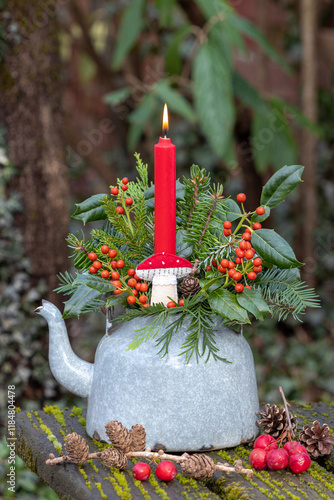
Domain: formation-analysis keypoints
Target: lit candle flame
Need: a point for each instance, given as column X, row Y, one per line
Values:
column 165, row 120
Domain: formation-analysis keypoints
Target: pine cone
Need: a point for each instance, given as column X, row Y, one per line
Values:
column 119, row 436
column 138, row 438
column 274, row 420
column 111, row 457
column 190, row 286
column 76, row 448
column 198, row 466
column 316, row 439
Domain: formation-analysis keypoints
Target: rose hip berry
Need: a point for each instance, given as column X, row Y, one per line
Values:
column 278, row 459
column 141, row 470
column 266, row 442
column 260, row 210
column 258, row 459
column 92, row 256
column 166, row 471
column 299, row 462
column 241, row 197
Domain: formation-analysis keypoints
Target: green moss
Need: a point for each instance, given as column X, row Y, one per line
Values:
column 125, row 495
column 93, row 466
column 17, row 409
column 89, row 486
column 235, row 492
column 158, row 490
column 57, row 413
column 76, row 411
column 101, row 446
column 49, row 433
column 187, row 481
column 264, row 491
column 120, row 477
column 99, row 487
column 27, row 455
column 141, row 488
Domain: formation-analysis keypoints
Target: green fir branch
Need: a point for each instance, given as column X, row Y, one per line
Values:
column 67, row 284
column 285, row 293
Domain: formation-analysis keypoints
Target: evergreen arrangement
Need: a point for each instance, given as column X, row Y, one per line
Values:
column 241, row 271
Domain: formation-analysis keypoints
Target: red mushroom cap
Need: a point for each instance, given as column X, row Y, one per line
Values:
column 163, row 264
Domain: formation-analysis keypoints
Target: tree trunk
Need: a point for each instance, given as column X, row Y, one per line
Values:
column 308, row 190
column 30, row 107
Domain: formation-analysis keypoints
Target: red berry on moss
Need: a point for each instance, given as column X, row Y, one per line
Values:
column 104, row 249
column 260, row 210
column 241, row 197
column 227, row 224
column 92, row 256
column 299, row 462
column 112, row 253
column 141, row 470
column 114, row 191
column 258, row 458
column 105, row 274
column 125, row 180
column 278, row 459
column 266, row 442
column 166, row 471
column 257, row 226
column 238, row 287
column 120, row 210
column 129, row 201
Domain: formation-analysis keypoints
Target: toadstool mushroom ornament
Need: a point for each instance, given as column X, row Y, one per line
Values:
column 163, row 269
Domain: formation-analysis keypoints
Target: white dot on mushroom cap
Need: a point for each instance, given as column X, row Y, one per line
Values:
column 178, row 260
column 163, row 261
column 150, row 263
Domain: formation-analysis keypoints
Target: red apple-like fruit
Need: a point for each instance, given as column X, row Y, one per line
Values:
column 277, row 459
column 258, row 459
column 166, row 471
column 141, row 471
column 299, row 462
column 298, row 448
column 289, row 445
column 266, row 442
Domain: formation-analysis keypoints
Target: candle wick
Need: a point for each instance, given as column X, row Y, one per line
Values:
column 165, row 133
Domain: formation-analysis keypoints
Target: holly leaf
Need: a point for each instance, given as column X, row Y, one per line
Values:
column 82, row 299
column 261, row 218
column 225, row 304
column 274, row 249
column 280, row 185
column 253, row 302
column 183, row 248
column 233, row 211
column 90, row 209
column 209, row 285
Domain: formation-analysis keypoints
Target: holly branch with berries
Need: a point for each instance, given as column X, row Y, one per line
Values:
column 241, row 272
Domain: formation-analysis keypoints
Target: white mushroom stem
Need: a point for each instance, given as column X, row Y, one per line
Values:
column 164, row 289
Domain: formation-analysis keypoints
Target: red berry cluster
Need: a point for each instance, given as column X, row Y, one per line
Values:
column 165, row 471
column 266, row 454
column 245, row 266
column 107, row 269
column 124, row 202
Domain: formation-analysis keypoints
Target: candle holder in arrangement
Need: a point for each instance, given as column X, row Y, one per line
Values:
column 176, row 360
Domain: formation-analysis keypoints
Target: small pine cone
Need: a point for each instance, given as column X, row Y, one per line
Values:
column 316, row 439
column 274, row 420
column 138, row 438
column 190, row 286
column 111, row 457
column 119, row 435
column 76, row 448
column 198, row 466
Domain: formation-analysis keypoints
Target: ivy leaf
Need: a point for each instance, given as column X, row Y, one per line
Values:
column 82, row 298
column 280, row 185
column 213, row 97
column 261, row 218
column 253, row 302
column 274, row 249
column 90, row 209
column 131, row 26
column 225, row 304
column 99, row 284
column 183, row 248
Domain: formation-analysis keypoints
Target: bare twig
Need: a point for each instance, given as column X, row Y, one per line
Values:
column 286, row 404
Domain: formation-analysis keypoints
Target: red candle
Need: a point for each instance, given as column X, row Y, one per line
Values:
column 165, row 192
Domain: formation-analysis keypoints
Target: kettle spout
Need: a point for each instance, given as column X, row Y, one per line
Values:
column 68, row 369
